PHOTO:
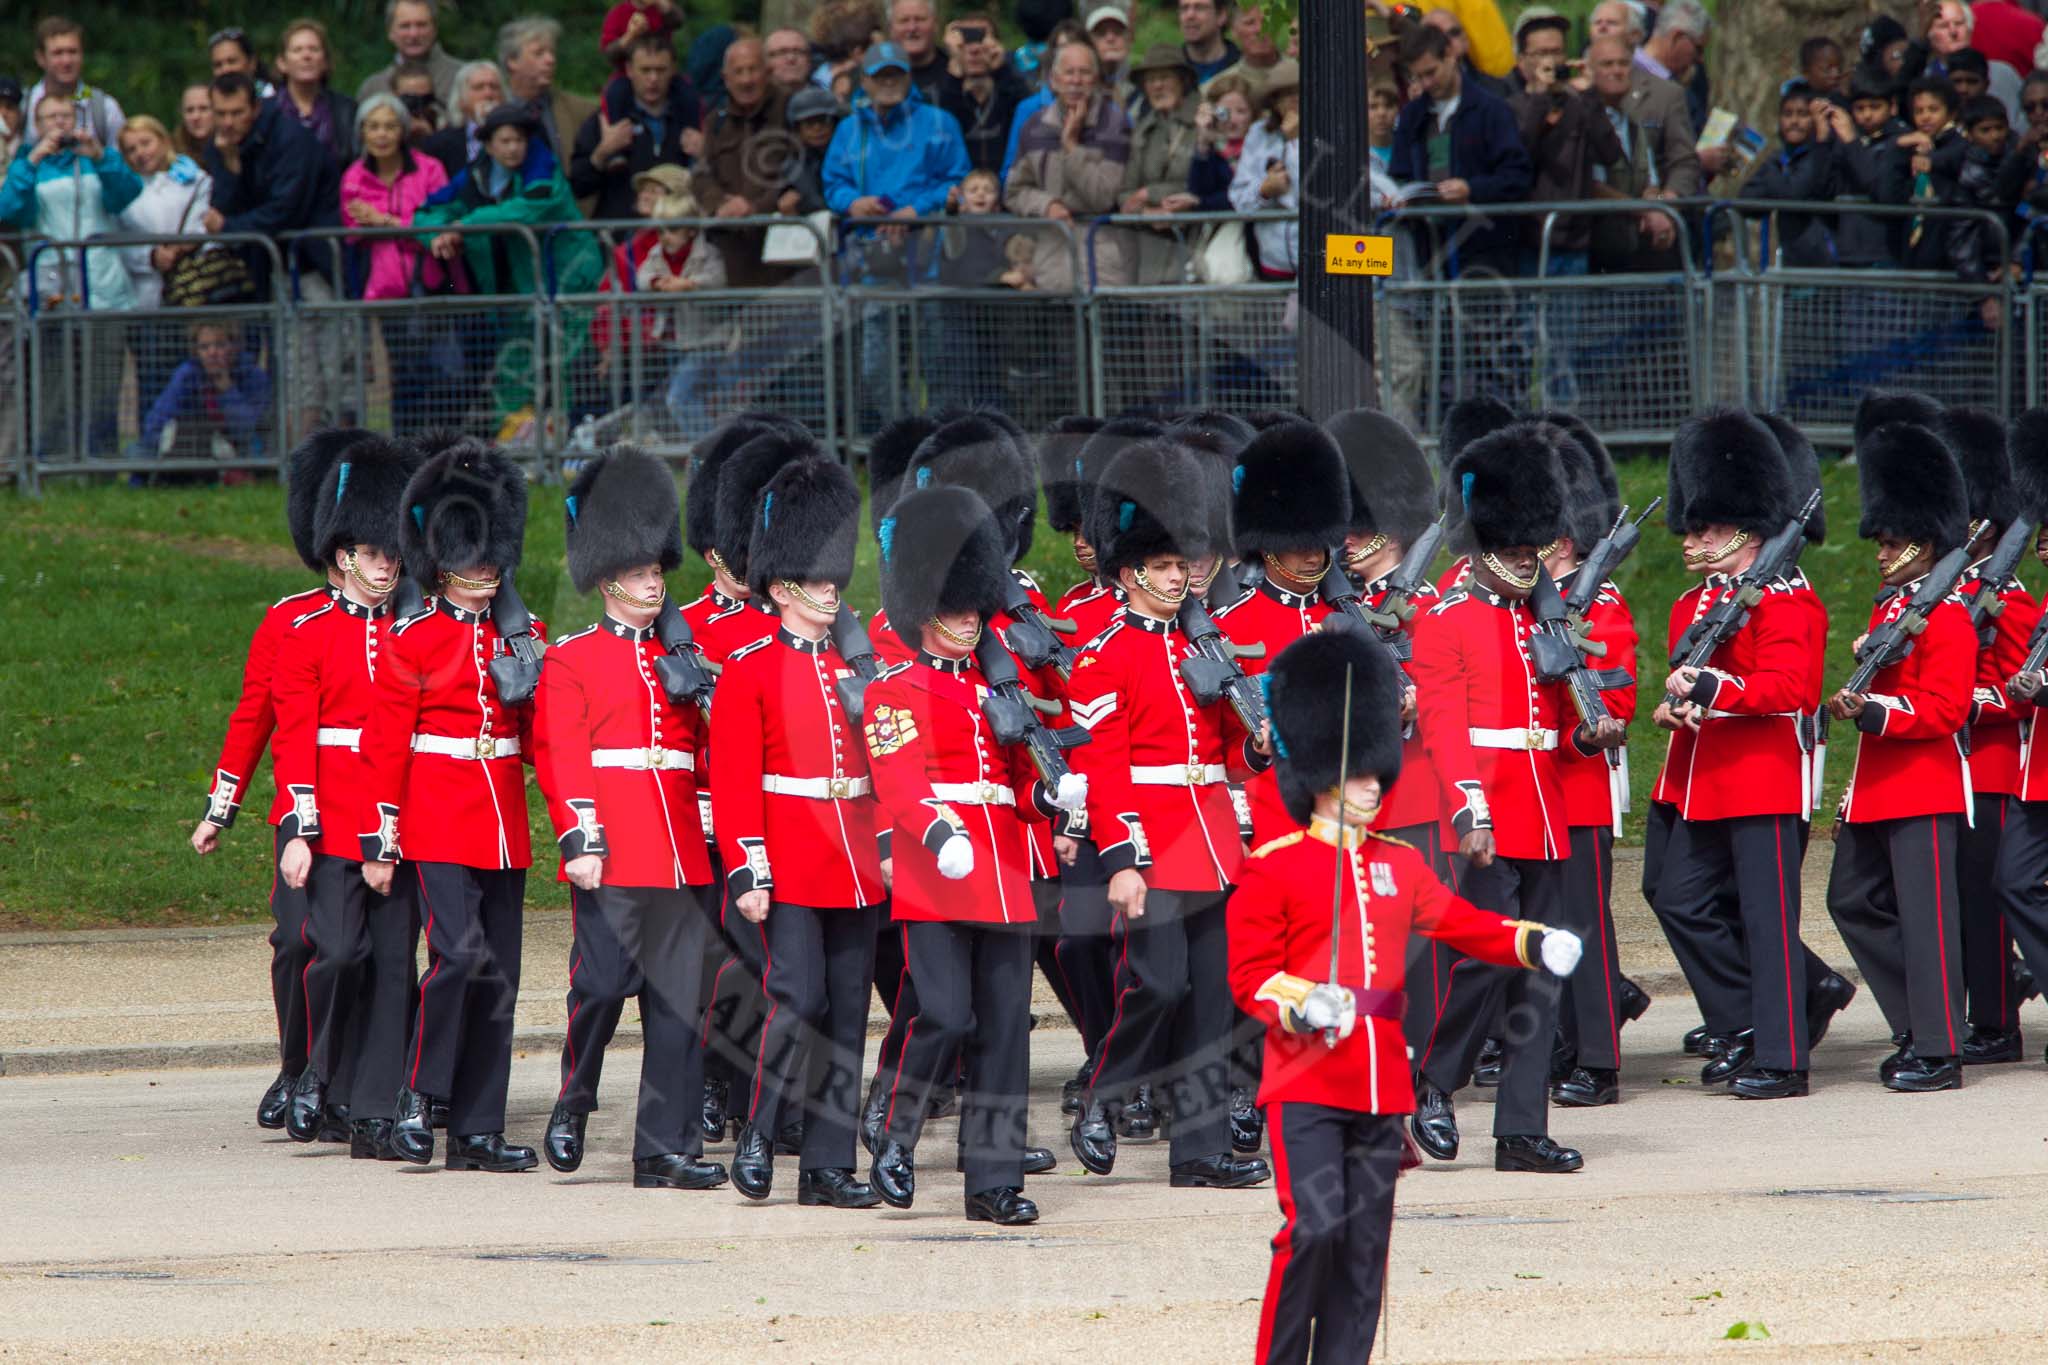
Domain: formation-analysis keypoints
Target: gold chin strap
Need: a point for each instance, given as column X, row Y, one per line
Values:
column 1202, row 584
column 1905, row 556
column 613, row 590
column 796, row 590
column 1086, row 559
column 718, row 563
column 1175, row 598
column 1715, row 555
column 954, row 636
column 1357, row 814
column 1367, row 550
column 454, row 579
column 365, row 584
column 1513, row 580
column 1273, row 568
column 1547, row 551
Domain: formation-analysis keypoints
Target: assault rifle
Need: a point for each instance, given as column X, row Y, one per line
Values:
column 1212, row 673
column 1032, row 633
column 1559, row 654
column 1397, row 605
column 1895, row 639
column 1013, row 713
column 515, row 674
column 850, row 638
column 684, row 676
column 1985, row 604
column 1777, row 557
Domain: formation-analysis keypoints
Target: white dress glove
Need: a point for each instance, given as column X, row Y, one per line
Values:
column 1330, row 1007
column 1073, row 792
column 1561, row 951
column 956, row 858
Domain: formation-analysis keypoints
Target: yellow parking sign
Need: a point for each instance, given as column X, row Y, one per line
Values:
column 1349, row 255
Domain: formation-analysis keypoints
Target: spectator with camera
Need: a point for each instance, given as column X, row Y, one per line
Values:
column 982, row 93
column 60, row 54
column 1269, row 173
column 413, row 27
column 1222, row 122
column 660, row 127
column 1569, row 140
column 413, row 86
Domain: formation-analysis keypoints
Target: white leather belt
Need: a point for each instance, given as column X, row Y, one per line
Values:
column 1177, row 774
column 975, row 793
column 1711, row 714
column 330, row 737
column 642, row 760
column 817, row 788
column 1535, row 740
column 482, row 746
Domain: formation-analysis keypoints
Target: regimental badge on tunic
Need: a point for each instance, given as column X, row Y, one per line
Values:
column 889, row 729
column 1382, row 879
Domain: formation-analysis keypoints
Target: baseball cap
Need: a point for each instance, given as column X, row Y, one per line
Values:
column 1542, row 16
column 667, row 177
column 883, row 56
column 1102, row 14
column 809, row 103
column 10, row 90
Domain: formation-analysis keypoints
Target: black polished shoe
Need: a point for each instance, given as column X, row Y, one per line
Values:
column 333, row 1124
column 1736, row 1058
column 1902, row 1055
column 564, row 1141
column 1247, row 1124
column 894, row 1175
column 676, row 1171
column 753, row 1164
column 873, row 1115
column 1987, row 1045
column 489, row 1152
column 411, row 1136
column 1920, row 1075
column 712, row 1123
column 370, row 1140
column 437, row 1113
column 1070, row 1095
column 1037, row 1161
column 1218, row 1173
column 1587, row 1087
column 308, row 1102
column 1005, row 1205
column 1825, row 999
column 835, row 1188
column 1434, row 1123
column 1631, row 1000
column 790, row 1141
column 1538, row 1154
column 1138, row 1120
column 2023, row 983
column 1093, row 1139
column 1486, row 1071
column 1694, row 1044
column 270, row 1110
column 1768, row 1083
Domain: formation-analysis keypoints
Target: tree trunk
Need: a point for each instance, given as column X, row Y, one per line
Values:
column 1755, row 47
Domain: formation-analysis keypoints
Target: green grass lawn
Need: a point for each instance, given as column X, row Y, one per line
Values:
column 127, row 614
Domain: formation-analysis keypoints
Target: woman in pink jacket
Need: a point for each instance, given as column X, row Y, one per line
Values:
column 384, row 188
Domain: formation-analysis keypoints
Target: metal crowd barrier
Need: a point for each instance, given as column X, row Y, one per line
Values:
column 13, row 370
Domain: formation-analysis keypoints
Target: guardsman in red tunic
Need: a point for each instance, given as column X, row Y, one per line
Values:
column 1336, row 1080
column 1494, row 730
column 1465, row 421
column 1160, row 816
column 1979, row 440
column 616, row 759
column 359, row 980
column 250, row 729
column 1892, row 890
column 1736, row 773
column 2022, row 875
column 444, row 754
column 958, row 804
column 797, row 825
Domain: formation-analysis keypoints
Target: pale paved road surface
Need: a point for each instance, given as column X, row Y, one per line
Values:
column 197, row 1235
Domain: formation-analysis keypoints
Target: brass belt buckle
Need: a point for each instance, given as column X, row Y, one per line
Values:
column 988, row 793
column 485, row 746
column 654, row 759
column 839, row 788
column 1531, row 740
column 1194, row 774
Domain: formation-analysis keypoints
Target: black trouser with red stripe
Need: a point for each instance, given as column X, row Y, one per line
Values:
column 1429, row 962
column 2023, row 880
column 1046, row 894
column 1520, row 888
column 391, row 996
column 647, row 942
column 359, row 985
column 1334, row 1170
column 462, row 1036
column 1082, row 953
column 734, row 1006
column 1745, row 963
column 974, row 1004
column 817, row 968
column 1987, row 942
column 1173, row 1008
column 290, row 951
column 1590, row 1011
column 1892, row 893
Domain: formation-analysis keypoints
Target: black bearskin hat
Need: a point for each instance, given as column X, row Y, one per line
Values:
column 976, row 451
column 942, row 551
column 806, row 526
column 1912, row 487
column 1977, row 439
column 1511, row 486
column 1056, row 451
column 1802, row 463
column 1393, row 487
column 1728, row 469
column 1305, row 693
column 1878, row 406
column 889, row 455
column 1212, row 429
column 1588, row 509
column 1098, row 452
column 1603, row 463
column 1466, row 421
column 465, row 507
column 1150, row 501
column 1291, row 492
column 740, row 481
column 306, row 468
column 700, row 517
column 621, row 513
column 2027, row 445
column 358, row 499
column 1272, row 417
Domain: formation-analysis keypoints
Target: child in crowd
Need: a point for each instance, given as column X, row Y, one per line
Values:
column 1821, row 68
column 983, row 256
column 969, row 369
column 1810, row 130
column 1382, row 110
column 1974, row 248
column 2023, row 175
column 812, row 115
column 1868, row 166
column 217, row 405
column 701, row 334
column 1934, row 155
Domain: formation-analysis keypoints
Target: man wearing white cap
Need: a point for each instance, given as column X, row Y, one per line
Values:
column 1109, row 33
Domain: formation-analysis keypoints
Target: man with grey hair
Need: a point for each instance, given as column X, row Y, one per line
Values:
column 479, row 88
column 914, row 27
column 1616, row 19
column 526, row 50
column 415, row 37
